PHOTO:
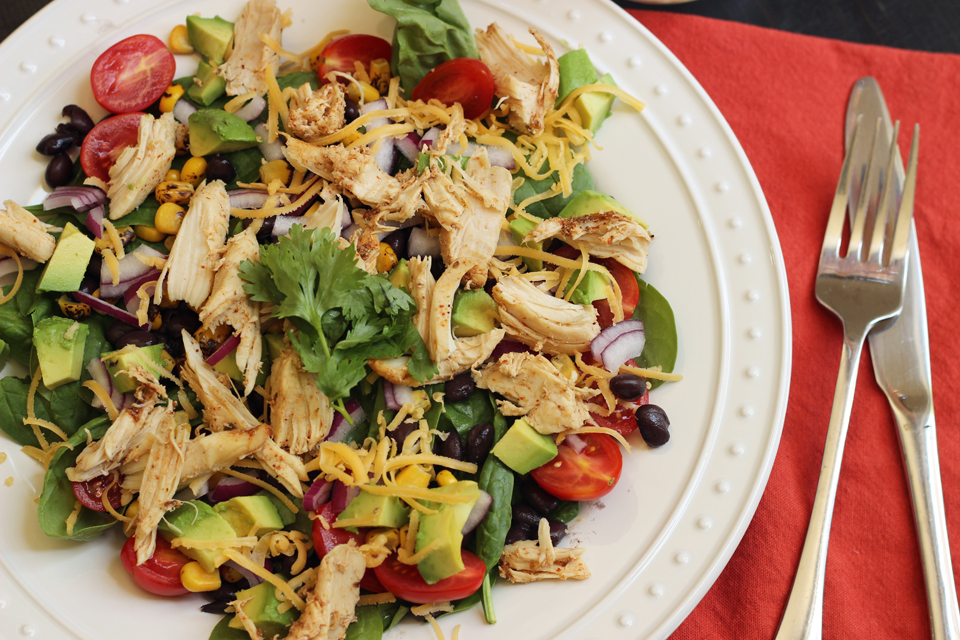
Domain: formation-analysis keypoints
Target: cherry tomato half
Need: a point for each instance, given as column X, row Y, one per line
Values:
column 623, row 420
column 342, row 53
column 464, row 80
column 626, row 279
column 160, row 575
column 324, row 540
column 405, row 581
column 132, row 74
column 90, row 493
column 105, row 141
column 587, row 475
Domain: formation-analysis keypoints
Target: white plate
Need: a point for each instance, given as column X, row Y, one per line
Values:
column 658, row 542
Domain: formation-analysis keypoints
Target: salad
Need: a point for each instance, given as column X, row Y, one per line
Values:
column 337, row 338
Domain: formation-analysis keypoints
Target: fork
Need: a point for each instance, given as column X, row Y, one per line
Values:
column 862, row 287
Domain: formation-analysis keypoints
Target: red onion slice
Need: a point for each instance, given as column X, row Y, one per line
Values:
column 131, row 268
column 98, row 371
column 318, row 494
column 575, row 442
column 376, row 105
column 247, row 198
column 94, row 221
column 105, row 307
column 252, row 578
column 80, row 198
column 109, row 290
column 430, row 137
column 508, row 346
column 342, row 496
column 281, row 226
column 131, row 301
column 396, row 395
column 624, row 347
column 189, row 494
column 611, row 333
column 230, row 487
column 478, row 513
column 9, row 265
column 271, row 150
column 340, row 427
column 223, row 350
column 182, row 111
column 421, row 243
column 409, row 146
column 387, row 155
column 349, row 230
column 252, row 109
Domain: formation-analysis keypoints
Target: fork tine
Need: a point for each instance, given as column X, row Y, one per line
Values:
column 838, row 211
column 901, row 233
column 880, row 219
column 855, row 247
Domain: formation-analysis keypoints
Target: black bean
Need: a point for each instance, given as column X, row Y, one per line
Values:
column 524, row 515
column 70, row 130
column 352, row 111
column 59, row 170
column 399, row 435
column 265, row 235
column 54, row 144
column 172, row 343
column 88, row 285
column 653, row 425
column 518, row 532
column 116, row 331
column 78, row 118
column 541, row 501
column 93, row 267
column 138, row 339
column 459, row 388
column 628, row 386
column 219, row 168
column 479, row 443
column 218, row 606
column 452, row 447
column 180, row 318
column 255, row 403
column 558, row 531
column 226, row 590
column 398, row 242
column 437, row 267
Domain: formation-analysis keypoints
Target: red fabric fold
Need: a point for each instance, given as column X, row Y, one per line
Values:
column 785, row 97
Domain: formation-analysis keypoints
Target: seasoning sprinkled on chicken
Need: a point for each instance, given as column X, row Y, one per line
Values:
column 603, row 235
column 246, row 67
column 140, row 168
column 25, row 233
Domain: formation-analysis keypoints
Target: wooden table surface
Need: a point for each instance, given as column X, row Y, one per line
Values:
column 925, row 25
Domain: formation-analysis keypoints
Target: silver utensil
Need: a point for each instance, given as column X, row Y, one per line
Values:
column 862, row 288
column 900, row 352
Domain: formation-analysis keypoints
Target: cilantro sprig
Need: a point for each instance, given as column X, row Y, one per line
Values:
column 343, row 315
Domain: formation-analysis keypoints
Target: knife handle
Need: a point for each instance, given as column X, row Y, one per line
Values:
column 918, row 444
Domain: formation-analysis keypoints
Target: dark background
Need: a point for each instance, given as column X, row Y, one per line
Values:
column 925, row 25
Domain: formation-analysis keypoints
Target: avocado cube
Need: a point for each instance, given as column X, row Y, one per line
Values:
column 216, row 131
column 446, row 525
column 474, row 312
column 576, row 71
column 207, row 85
column 523, row 448
column 384, row 511
column 210, row 37
column 593, row 286
column 275, row 344
column 588, row 202
column 60, row 343
column 228, row 367
column 196, row 520
column 519, row 228
column 119, row 362
column 65, row 268
column 594, row 107
column 262, row 611
column 243, row 513
column 400, row 276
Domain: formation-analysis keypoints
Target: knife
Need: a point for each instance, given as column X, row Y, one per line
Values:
column 900, row 352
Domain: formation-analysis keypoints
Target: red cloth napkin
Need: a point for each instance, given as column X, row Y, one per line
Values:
column 785, row 97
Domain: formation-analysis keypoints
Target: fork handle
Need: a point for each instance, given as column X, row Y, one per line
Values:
column 803, row 616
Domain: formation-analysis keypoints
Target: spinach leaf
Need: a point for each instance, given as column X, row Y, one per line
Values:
column 57, row 499
column 13, row 409
column 392, row 613
column 65, row 407
column 379, row 406
column 464, row 415
column 145, row 215
column 247, row 164
column 565, row 511
column 297, row 78
column 497, row 480
column 660, row 328
column 428, row 33
column 486, row 596
column 551, row 207
column 16, row 323
column 223, row 631
column 367, row 626
column 500, row 424
column 4, row 353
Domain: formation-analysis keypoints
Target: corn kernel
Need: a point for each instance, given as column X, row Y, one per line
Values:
column 168, row 243
column 231, row 575
column 180, row 40
column 414, row 476
column 168, row 218
column 276, row 170
column 194, row 170
column 149, row 234
column 445, row 478
column 131, row 513
column 196, row 579
column 73, row 310
column 171, row 176
column 380, row 74
column 566, row 367
column 169, row 98
column 387, row 259
column 369, row 92
column 178, row 192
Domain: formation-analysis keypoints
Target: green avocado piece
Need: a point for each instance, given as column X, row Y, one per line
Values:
column 118, row 362
column 207, row 85
column 65, row 269
column 243, row 512
column 262, row 611
column 210, row 37
column 588, row 202
column 400, row 276
column 474, row 312
column 593, row 287
column 576, row 70
column 387, row 511
column 446, row 525
column 216, row 131
column 197, row 520
column 594, row 107
column 60, row 343
column 519, row 228
column 275, row 344
column 523, row 448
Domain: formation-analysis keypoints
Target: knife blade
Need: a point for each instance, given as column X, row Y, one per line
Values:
column 900, row 352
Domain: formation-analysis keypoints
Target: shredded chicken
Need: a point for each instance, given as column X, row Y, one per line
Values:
column 139, row 169
column 301, row 416
column 287, row 468
column 329, row 215
column 190, row 269
column 535, row 389
column 221, row 408
column 229, row 304
column 25, row 233
column 333, row 599
column 529, row 86
column 160, row 480
column 131, row 428
column 246, row 67
column 543, row 321
column 605, row 235
column 315, row 114
column 523, row 562
column 422, row 284
column 212, row 452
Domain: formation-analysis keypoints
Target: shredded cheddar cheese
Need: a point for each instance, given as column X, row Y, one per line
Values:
column 49, row 426
column 253, row 567
column 654, row 373
column 115, row 240
column 190, row 543
column 7, row 251
column 376, row 598
column 113, row 265
column 263, row 485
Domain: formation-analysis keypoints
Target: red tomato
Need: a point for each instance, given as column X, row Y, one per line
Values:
column 160, row 575
column 342, row 53
column 105, row 141
column 132, row 74
column 587, row 475
column 90, row 493
column 324, row 540
column 464, row 80
column 405, row 581
column 623, row 420
column 626, row 279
